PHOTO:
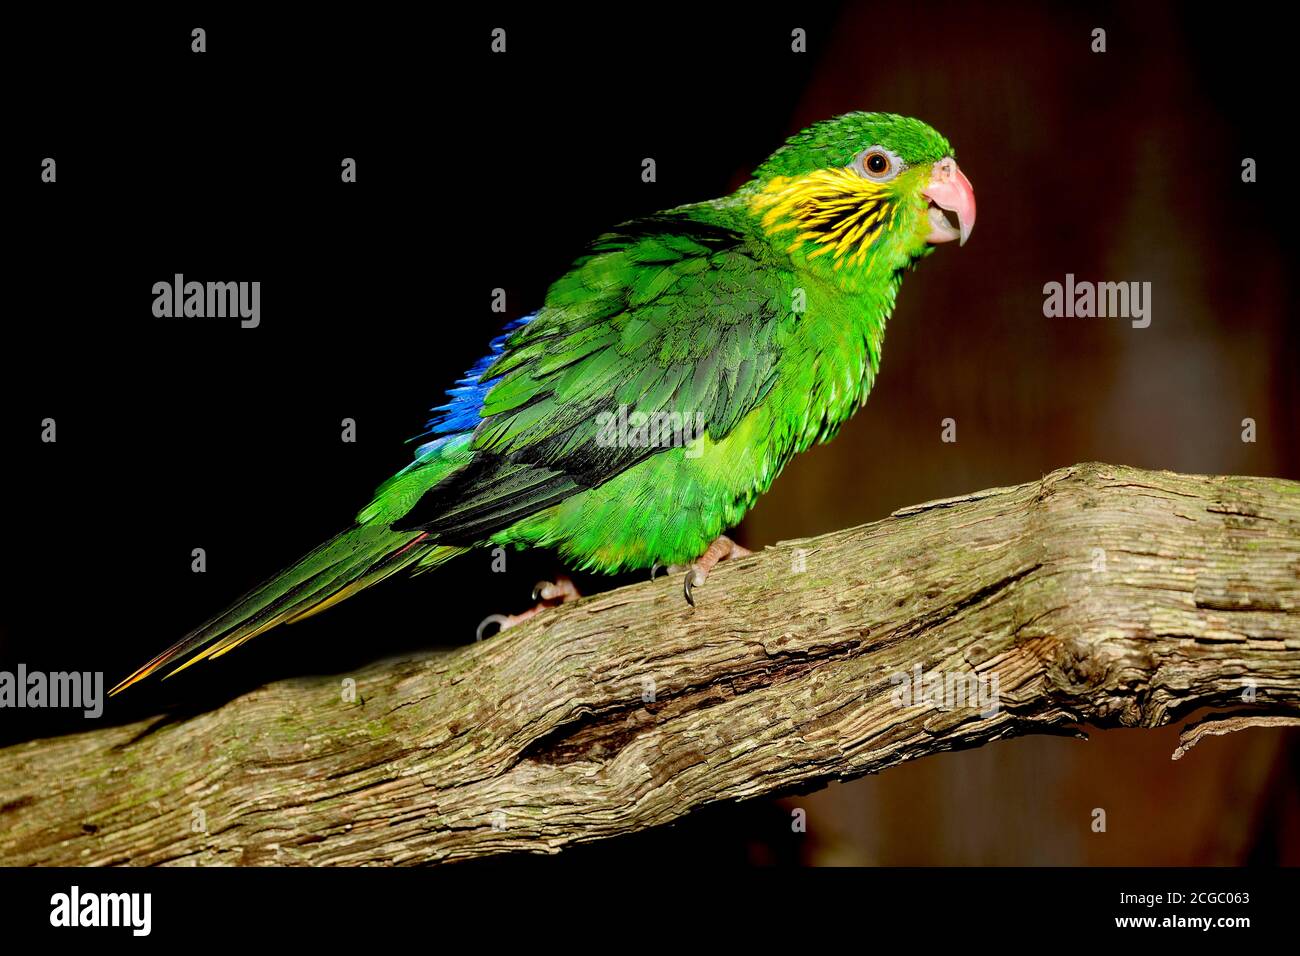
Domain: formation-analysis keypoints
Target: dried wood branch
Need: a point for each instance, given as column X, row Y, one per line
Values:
column 1099, row 594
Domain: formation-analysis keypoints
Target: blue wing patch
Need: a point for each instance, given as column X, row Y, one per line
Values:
column 461, row 414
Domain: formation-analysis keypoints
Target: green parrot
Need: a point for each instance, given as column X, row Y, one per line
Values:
column 667, row 379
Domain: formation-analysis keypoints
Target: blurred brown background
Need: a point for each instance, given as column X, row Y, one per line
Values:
column 1115, row 166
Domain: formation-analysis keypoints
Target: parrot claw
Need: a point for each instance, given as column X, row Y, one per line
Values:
column 722, row 549
column 555, row 592
column 498, row 619
column 694, row 579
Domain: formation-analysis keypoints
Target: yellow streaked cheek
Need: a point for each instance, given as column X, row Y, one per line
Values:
column 837, row 211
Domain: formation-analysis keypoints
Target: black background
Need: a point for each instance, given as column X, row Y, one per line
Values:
column 474, row 172
column 658, row 902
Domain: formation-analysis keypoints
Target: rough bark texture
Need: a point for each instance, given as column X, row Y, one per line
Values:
column 1100, row 594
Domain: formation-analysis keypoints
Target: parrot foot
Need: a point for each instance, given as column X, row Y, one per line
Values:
column 722, row 549
column 547, row 594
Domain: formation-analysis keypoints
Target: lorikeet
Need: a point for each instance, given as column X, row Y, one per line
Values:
column 746, row 328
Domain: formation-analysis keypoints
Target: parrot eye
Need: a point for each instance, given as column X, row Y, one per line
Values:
column 877, row 164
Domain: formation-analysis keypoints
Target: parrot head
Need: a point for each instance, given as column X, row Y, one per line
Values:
column 863, row 191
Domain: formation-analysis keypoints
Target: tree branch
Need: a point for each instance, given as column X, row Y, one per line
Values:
column 1100, row 594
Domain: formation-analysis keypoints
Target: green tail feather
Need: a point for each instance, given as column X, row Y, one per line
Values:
column 340, row 567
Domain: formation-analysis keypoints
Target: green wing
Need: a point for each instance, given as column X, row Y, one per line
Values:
column 665, row 315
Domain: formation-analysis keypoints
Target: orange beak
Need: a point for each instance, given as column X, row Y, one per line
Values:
column 949, row 191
